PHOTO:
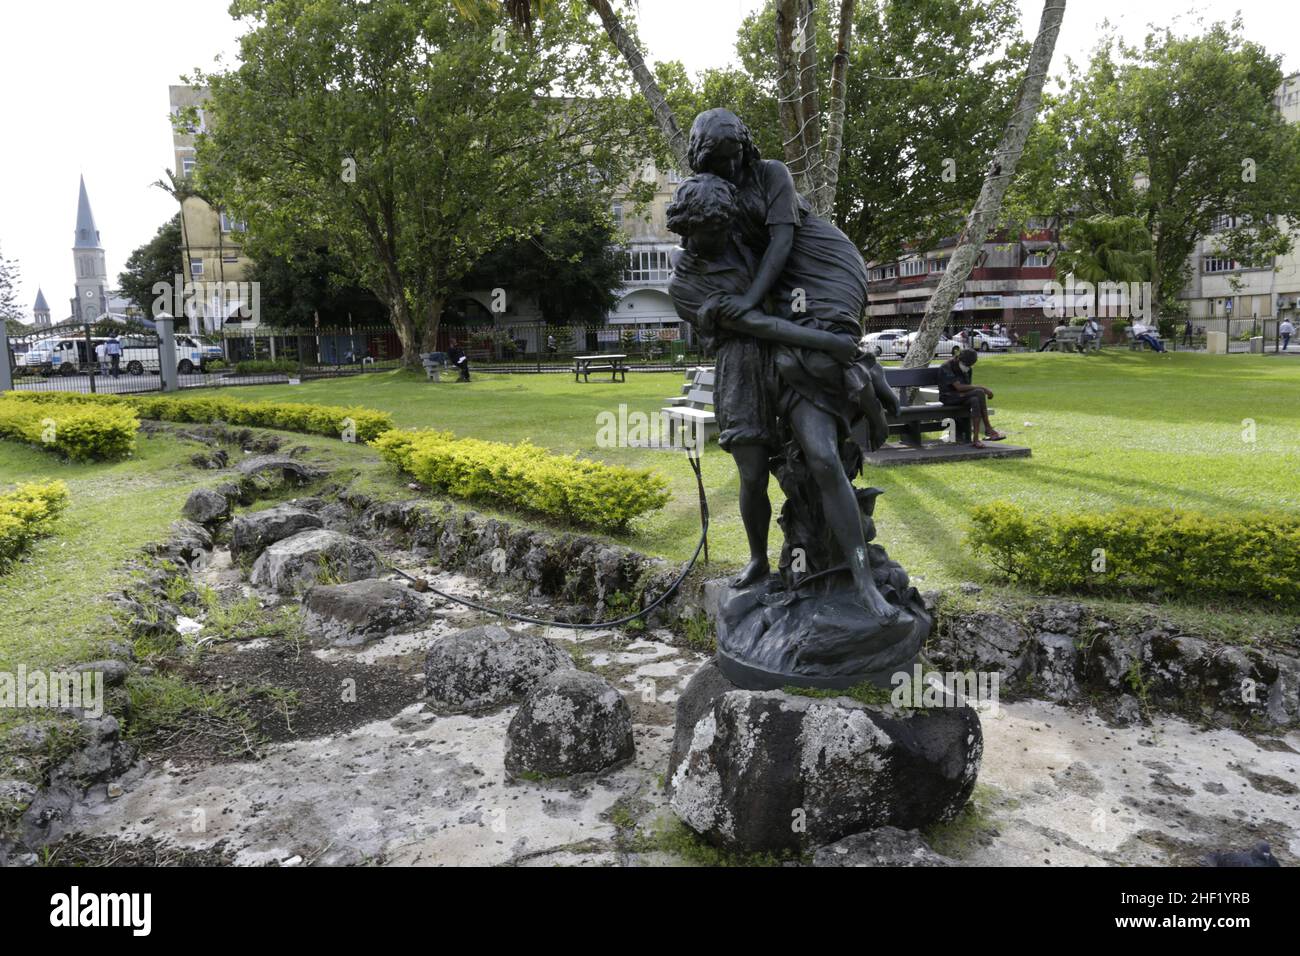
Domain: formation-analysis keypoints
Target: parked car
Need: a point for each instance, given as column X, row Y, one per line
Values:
column 990, row 341
column 946, row 346
column 882, row 342
column 59, row 356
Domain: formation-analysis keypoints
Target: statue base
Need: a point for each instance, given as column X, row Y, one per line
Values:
column 818, row 635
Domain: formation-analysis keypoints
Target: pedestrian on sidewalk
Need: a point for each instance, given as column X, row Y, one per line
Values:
column 1286, row 330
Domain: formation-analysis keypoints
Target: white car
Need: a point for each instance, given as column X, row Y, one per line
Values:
column 140, row 354
column 990, row 341
column 882, row 342
column 945, row 346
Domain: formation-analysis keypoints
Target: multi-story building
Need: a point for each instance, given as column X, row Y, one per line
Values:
column 1008, row 284
column 1244, row 294
column 211, row 241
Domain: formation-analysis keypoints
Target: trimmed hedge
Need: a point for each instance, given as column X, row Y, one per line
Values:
column 26, row 513
column 526, row 477
column 266, row 366
column 286, row 416
column 1251, row 556
column 78, row 430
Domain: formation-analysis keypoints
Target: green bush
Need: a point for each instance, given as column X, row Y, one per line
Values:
column 78, row 430
column 26, row 513
column 286, row 416
column 526, row 477
column 266, row 367
column 1250, row 556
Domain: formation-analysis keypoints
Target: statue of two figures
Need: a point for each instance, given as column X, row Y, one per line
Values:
column 778, row 293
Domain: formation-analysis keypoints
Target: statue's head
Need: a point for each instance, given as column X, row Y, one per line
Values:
column 720, row 144
column 701, row 213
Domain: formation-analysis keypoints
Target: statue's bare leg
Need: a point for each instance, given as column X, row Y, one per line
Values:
column 755, row 511
column 816, row 433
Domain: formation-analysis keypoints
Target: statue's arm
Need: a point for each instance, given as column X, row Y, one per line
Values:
column 784, row 332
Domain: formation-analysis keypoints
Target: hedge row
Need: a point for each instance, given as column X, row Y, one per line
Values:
column 26, row 513
column 1250, row 556
column 286, row 416
column 526, row 477
column 79, row 430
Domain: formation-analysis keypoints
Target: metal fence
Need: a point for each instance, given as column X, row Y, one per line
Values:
column 73, row 357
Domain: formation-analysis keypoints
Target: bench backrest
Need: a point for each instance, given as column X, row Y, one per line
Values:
column 699, row 398
column 912, row 377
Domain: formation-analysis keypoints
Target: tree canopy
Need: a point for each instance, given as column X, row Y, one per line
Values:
column 416, row 138
column 158, row 260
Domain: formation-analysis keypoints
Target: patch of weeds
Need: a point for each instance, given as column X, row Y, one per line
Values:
column 670, row 835
column 29, row 749
column 169, row 713
column 284, row 701
column 1140, row 686
column 972, row 826
column 620, row 604
column 698, row 632
column 864, row 693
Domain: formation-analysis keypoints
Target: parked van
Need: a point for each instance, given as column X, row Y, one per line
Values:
column 140, row 354
column 64, row 356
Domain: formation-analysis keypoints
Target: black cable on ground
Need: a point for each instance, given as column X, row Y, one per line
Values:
column 703, row 545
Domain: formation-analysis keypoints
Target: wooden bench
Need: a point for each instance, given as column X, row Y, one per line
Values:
column 694, row 408
column 1070, row 338
column 615, row 364
column 912, row 421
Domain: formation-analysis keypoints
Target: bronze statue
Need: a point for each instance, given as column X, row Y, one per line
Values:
column 795, row 395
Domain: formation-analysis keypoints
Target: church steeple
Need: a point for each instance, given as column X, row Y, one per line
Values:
column 41, row 310
column 91, row 300
column 87, row 234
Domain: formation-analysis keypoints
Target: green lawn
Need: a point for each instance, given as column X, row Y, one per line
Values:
column 1116, row 429
column 1119, row 428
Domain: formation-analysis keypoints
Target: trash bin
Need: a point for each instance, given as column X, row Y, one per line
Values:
column 1033, row 340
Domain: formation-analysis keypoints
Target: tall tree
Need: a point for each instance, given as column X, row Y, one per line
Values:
column 1000, row 173
column 10, row 311
column 928, row 86
column 310, row 283
column 414, row 138
column 158, row 260
column 1183, row 133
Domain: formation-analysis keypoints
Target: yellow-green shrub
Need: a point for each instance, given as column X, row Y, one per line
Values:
column 286, row 416
column 26, row 513
column 79, row 430
column 526, row 477
column 1254, row 556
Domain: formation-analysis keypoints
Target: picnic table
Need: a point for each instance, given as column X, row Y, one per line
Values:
column 613, row 362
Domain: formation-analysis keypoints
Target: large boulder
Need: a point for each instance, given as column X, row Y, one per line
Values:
column 252, row 533
column 888, row 846
column 206, row 507
column 571, row 722
column 771, row 771
column 301, row 560
column 485, row 667
column 279, row 467
column 360, row 611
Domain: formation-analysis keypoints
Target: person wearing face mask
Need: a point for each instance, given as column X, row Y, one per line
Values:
column 956, row 388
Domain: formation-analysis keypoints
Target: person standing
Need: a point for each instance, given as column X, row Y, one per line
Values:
column 100, row 361
column 459, row 359
column 1187, row 333
column 113, row 349
column 956, row 388
column 1286, row 330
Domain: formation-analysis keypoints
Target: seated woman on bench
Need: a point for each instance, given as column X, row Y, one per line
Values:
column 955, row 388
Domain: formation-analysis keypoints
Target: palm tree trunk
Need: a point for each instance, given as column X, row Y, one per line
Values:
column 824, row 204
column 996, row 181
column 663, row 113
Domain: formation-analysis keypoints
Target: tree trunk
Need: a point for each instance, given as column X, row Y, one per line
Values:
column 824, row 203
column 432, row 321
column 810, row 106
column 399, row 314
column 645, row 79
column 996, row 181
column 790, row 95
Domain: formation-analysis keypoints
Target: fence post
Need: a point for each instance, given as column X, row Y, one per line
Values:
column 92, row 362
column 6, row 366
column 165, row 325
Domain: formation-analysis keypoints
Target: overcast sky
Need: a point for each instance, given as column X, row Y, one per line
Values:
column 85, row 92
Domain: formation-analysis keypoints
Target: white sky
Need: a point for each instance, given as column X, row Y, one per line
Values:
column 85, row 92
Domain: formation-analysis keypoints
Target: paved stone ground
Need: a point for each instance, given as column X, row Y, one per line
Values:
column 1058, row 786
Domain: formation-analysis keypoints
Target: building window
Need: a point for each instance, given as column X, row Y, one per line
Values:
column 674, row 176
column 940, row 265
column 1223, row 223
column 647, row 265
column 231, row 225
column 880, row 273
column 1037, row 260
column 1215, row 264
column 617, row 210
column 230, row 257
column 912, row 267
column 196, row 267
column 187, row 165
